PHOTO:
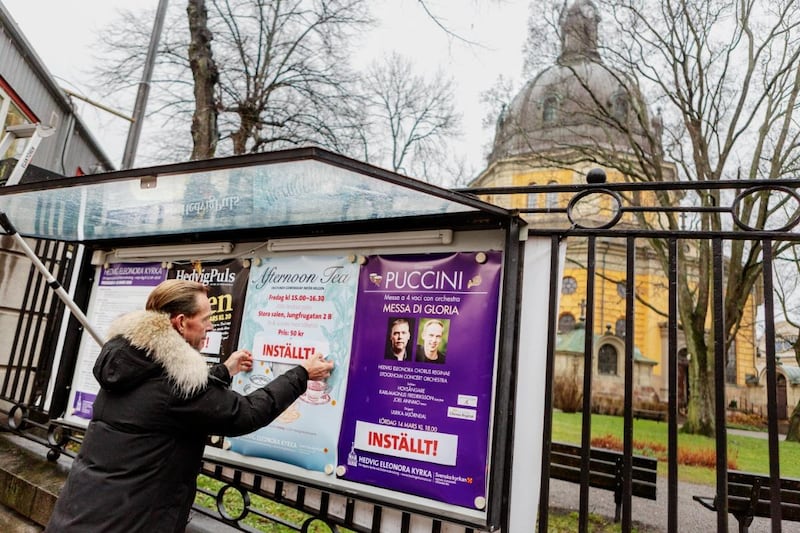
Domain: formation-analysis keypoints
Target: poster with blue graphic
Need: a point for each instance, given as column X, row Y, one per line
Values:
column 296, row 308
column 419, row 396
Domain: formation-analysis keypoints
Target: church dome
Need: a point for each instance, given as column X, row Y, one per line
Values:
column 578, row 101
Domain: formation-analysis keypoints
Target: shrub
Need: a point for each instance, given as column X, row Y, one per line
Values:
column 607, row 405
column 651, row 406
column 704, row 457
column 567, row 394
column 608, row 441
column 647, row 448
column 746, row 420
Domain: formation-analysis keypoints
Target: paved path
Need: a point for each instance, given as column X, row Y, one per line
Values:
column 755, row 434
column 692, row 517
column 13, row 522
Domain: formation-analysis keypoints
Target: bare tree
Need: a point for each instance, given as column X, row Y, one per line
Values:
column 206, row 76
column 282, row 76
column 414, row 115
column 726, row 76
column 121, row 51
column 274, row 75
column 285, row 70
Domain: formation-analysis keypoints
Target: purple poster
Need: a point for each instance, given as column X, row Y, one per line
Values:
column 421, row 370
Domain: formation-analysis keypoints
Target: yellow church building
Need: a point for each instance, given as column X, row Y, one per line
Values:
column 544, row 137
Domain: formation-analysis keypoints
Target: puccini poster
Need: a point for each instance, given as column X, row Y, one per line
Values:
column 297, row 307
column 418, row 404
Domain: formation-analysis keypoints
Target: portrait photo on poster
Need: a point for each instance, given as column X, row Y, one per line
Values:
column 432, row 340
column 398, row 339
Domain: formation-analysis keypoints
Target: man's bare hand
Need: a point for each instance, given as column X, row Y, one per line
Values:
column 239, row 361
column 318, row 368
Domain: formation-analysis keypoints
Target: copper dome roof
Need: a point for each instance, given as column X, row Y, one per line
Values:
column 577, row 101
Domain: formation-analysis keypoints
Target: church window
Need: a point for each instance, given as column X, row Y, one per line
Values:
column 607, row 360
column 566, row 322
column 531, row 198
column 619, row 327
column 622, row 289
column 550, row 109
column 784, row 344
column 730, row 364
column 569, row 285
column 551, row 199
column 620, row 107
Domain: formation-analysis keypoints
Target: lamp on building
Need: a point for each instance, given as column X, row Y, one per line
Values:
column 403, row 238
column 183, row 251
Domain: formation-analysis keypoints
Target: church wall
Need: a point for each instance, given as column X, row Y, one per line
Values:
column 747, row 344
column 753, row 399
column 607, row 389
column 610, row 264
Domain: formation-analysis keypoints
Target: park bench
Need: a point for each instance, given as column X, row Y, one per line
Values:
column 749, row 496
column 650, row 414
column 606, row 471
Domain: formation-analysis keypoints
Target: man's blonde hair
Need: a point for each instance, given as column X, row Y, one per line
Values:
column 176, row 296
column 432, row 322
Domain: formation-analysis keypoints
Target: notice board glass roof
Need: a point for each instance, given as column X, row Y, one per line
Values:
column 286, row 189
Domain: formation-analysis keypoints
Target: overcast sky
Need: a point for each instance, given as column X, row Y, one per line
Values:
column 63, row 33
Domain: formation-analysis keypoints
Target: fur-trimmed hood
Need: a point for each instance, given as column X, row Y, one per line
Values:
column 156, row 346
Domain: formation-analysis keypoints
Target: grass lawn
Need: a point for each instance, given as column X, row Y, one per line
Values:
column 277, row 512
column 750, row 454
column 562, row 521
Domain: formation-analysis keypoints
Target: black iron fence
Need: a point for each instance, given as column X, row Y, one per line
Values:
column 36, row 313
column 703, row 237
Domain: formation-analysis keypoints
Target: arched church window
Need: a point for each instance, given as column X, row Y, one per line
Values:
column 620, row 107
column 550, row 109
column 619, row 327
column 531, row 198
column 607, row 360
column 566, row 322
column 622, row 289
column 730, row 364
column 784, row 343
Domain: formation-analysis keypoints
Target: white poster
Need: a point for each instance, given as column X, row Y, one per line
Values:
column 296, row 308
column 118, row 289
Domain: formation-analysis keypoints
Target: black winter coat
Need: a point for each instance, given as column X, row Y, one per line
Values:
column 138, row 464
